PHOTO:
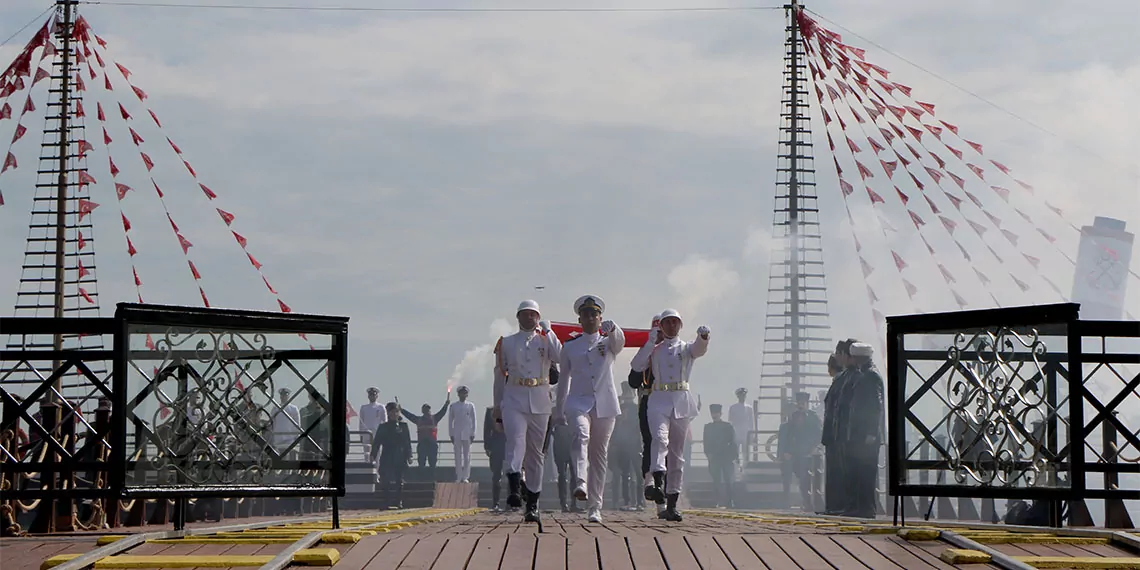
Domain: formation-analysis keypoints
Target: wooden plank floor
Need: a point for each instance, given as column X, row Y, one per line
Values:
column 634, row 541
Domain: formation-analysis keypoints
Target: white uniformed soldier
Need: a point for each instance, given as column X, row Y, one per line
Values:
column 371, row 416
column 671, row 405
column 588, row 398
column 461, row 427
column 523, row 363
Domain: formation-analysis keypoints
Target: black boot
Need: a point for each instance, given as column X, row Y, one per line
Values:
column 671, row 513
column 655, row 493
column 513, row 484
column 532, row 514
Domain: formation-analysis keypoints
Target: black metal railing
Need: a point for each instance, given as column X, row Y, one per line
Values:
column 1018, row 403
column 198, row 403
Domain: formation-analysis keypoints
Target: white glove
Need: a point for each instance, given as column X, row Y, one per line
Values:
column 703, row 332
column 653, row 332
column 544, row 325
column 608, row 327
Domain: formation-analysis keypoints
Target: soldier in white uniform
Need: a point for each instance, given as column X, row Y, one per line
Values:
column 286, row 425
column 461, row 427
column 743, row 420
column 588, row 398
column 523, row 362
column 371, row 416
column 671, row 406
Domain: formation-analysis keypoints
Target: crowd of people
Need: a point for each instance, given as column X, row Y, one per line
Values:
column 549, row 394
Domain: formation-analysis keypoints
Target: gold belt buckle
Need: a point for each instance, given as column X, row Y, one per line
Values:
column 675, row 387
column 530, row 382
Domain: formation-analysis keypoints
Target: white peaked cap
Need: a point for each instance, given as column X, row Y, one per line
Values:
column 670, row 313
column 589, row 301
column 528, row 305
column 861, row 349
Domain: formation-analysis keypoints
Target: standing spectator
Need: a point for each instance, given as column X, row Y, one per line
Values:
column 495, row 446
column 834, row 495
column 797, row 441
column 721, row 450
column 392, row 444
column 743, row 420
column 862, row 433
column 427, row 432
column 461, row 427
column 625, row 453
column 371, row 416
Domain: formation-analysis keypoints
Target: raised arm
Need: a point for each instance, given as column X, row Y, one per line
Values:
column 411, row 417
column 553, row 345
column 700, row 346
column 641, row 360
column 615, row 339
column 439, row 415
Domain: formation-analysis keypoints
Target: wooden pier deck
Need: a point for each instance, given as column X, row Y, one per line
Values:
column 705, row 540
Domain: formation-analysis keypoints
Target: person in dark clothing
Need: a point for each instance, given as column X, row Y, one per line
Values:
column 625, row 453
column 393, row 443
column 861, row 432
column 834, row 496
column 722, row 453
column 796, row 444
column 314, row 420
column 563, row 441
column 427, row 432
column 495, row 445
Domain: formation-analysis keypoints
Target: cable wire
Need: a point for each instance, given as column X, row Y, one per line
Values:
column 424, row 10
column 30, row 22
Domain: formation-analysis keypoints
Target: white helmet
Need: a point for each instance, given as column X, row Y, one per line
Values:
column 528, row 305
column 670, row 313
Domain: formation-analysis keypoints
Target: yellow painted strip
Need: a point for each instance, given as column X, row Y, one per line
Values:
column 108, row 539
column 963, row 556
column 1094, row 562
column 340, row 538
column 920, row 534
column 159, row 561
column 316, row 557
column 1050, row 539
column 223, row 540
column 852, row 528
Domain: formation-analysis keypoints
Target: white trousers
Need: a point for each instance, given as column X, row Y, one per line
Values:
column 462, row 459
column 669, row 435
column 525, row 433
column 590, row 454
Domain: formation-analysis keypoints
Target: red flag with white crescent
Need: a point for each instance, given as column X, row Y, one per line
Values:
column 567, row 331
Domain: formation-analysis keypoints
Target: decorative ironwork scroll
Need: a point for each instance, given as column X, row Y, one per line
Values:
column 979, row 404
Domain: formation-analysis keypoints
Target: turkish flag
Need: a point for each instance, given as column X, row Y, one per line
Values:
column 567, row 331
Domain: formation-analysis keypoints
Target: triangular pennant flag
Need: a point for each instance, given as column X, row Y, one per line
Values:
column 253, row 260
column 867, row 269
column 241, row 240
column 126, row 222
column 1032, row 260
column 147, row 161
column 85, row 178
column 851, row 145
column 284, row 308
column 955, row 151
column 205, row 301
column 1010, row 236
column 956, row 201
column 899, row 263
column 121, row 190
column 927, row 106
column 975, row 146
column 123, row 112
column 185, row 243
column 139, row 93
column 965, row 254
column 996, row 221
column 975, row 200
column 1003, row 192
column 86, row 207
column 981, row 276
column 889, row 167
column 958, row 299
column 915, row 219
column 961, row 182
column 911, row 290
column 267, row 285
column 174, row 146
column 1000, row 166
column 135, row 136
column 209, row 193
column 131, row 248
column 138, row 282
column 976, row 170
column 902, row 196
column 227, row 217
column 194, row 270
column 949, row 224
column 946, row 274
column 933, row 207
column 875, row 198
column 86, row 296
column 978, row 228
column 1020, row 284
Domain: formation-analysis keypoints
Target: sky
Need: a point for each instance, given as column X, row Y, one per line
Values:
column 422, row 173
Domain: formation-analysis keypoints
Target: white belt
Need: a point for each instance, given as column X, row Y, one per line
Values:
column 530, row 382
column 671, row 387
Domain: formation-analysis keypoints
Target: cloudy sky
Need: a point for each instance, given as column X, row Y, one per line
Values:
column 423, row 172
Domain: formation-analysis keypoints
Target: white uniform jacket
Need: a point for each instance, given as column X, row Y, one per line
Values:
column 521, row 356
column 586, row 374
column 371, row 416
column 461, row 421
column 672, row 361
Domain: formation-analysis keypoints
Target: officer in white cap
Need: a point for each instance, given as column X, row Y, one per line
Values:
column 671, row 405
column 523, row 365
column 461, row 425
column 743, row 420
column 588, row 398
column 371, row 416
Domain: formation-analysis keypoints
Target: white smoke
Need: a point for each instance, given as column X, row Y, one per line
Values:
column 475, row 368
column 699, row 281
